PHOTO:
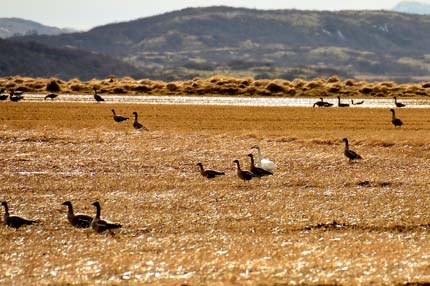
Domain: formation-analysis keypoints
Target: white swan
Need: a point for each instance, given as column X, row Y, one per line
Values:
column 263, row 163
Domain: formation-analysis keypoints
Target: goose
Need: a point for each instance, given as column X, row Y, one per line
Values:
column 79, row 220
column 263, row 163
column 339, row 104
column 210, row 174
column 258, row 172
column 244, row 175
column 3, row 96
column 398, row 104
column 396, row 121
column 97, row 97
column 14, row 221
column 118, row 118
column 357, row 103
column 137, row 125
column 52, row 96
column 15, row 97
column 99, row 225
column 351, row 155
column 322, row 103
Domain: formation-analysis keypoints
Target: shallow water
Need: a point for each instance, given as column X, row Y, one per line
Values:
column 223, row 100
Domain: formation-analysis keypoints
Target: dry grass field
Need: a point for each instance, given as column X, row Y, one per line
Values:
column 318, row 220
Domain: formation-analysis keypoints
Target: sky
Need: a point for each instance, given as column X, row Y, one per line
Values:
column 86, row 14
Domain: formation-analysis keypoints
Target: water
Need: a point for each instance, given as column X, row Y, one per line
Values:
column 223, row 100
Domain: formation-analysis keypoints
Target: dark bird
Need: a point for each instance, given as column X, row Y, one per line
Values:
column 137, row 125
column 97, row 97
column 322, row 103
column 99, row 225
column 351, row 155
column 398, row 104
column 52, row 96
column 15, row 97
column 339, row 104
column 118, row 118
column 396, row 121
column 210, row 174
column 14, row 221
column 3, row 96
column 357, row 103
column 258, row 172
column 244, row 175
column 79, row 220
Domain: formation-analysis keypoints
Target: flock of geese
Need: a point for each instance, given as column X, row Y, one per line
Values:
column 262, row 167
column 80, row 220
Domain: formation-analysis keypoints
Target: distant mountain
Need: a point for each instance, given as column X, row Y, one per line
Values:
column 37, row 60
column 10, row 27
column 414, row 7
column 199, row 42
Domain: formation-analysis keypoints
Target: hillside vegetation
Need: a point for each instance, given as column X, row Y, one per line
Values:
column 286, row 44
column 34, row 59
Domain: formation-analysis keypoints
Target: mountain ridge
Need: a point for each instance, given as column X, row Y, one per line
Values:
column 262, row 43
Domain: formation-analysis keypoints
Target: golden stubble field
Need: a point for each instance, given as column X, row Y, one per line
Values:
column 318, row 220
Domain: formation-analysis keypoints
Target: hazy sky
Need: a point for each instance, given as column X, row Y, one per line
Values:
column 85, row 14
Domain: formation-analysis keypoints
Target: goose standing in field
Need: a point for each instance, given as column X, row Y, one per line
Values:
column 398, row 104
column 210, row 174
column 3, row 96
column 16, row 96
column 14, row 221
column 99, row 225
column 97, row 97
column 263, row 163
column 258, row 172
column 79, row 220
column 339, row 104
column 356, row 103
column 396, row 121
column 52, row 96
column 118, row 118
column 244, row 175
column 322, row 103
column 351, row 155
column 137, row 125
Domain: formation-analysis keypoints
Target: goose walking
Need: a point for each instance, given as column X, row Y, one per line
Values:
column 322, row 103
column 52, row 96
column 210, row 174
column 339, row 104
column 244, row 175
column 14, row 221
column 137, row 125
column 351, row 155
column 398, row 104
column 118, row 118
column 263, row 163
column 99, row 225
column 97, row 97
column 396, row 121
column 258, row 172
column 79, row 220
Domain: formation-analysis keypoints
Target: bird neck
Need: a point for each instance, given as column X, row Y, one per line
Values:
column 98, row 211
column 201, row 168
column 252, row 161
column 238, row 166
column 70, row 210
column 6, row 212
column 346, row 145
column 259, row 155
column 135, row 117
